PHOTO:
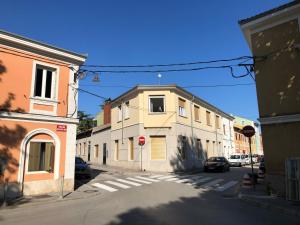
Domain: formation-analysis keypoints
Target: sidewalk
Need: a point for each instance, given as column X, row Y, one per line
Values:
column 260, row 198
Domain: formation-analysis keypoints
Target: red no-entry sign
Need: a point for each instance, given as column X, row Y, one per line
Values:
column 141, row 140
column 248, row 131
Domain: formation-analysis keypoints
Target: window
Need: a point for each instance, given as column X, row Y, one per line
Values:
column 126, row 110
column 117, row 149
column 181, row 107
column 199, row 149
column 197, row 113
column 41, row 156
column 157, row 104
column 208, row 122
column 217, row 122
column 44, row 82
column 158, row 147
column 207, row 146
column 120, row 117
column 96, row 151
column 131, row 148
column 182, row 147
column 84, row 146
column 79, row 149
column 224, row 129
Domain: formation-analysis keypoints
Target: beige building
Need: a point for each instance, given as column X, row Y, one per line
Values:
column 181, row 130
column 274, row 40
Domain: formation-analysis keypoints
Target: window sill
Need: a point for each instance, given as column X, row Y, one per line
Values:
column 198, row 121
column 156, row 113
column 38, row 172
column 183, row 116
column 126, row 118
column 44, row 99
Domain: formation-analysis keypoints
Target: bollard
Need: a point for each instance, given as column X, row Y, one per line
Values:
column 5, row 190
column 61, row 196
column 261, row 176
column 247, row 181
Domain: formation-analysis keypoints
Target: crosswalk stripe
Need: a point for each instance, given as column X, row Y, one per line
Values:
column 128, row 182
column 102, row 186
column 118, row 184
column 185, row 180
column 166, row 177
column 156, row 176
column 147, row 179
column 173, row 179
column 226, row 186
column 212, row 183
column 137, row 180
column 201, row 180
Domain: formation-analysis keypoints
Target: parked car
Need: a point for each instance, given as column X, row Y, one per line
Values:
column 262, row 165
column 237, row 160
column 82, row 169
column 255, row 158
column 247, row 159
column 216, row 164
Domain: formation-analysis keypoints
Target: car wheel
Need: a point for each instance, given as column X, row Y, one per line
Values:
column 240, row 165
column 228, row 169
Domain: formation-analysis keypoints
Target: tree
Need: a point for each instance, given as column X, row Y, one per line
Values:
column 85, row 122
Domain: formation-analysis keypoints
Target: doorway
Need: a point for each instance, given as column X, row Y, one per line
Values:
column 104, row 154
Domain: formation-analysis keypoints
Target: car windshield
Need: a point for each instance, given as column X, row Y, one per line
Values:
column 216, row 159
column 79, row 160
column 235, row 157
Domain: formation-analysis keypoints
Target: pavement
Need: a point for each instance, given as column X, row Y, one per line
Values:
column 117, row 197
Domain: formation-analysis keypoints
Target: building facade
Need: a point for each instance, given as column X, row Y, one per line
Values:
column 274, row 40
column 181, row 130
column 37, row 115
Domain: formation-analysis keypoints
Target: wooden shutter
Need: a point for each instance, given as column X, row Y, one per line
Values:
column 131, row 149
column 196, row 112
column 158, row 148
column 181, row 102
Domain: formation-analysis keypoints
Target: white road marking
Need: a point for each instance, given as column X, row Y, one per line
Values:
column 118, row 184
column 147, row 179
column 173, row 179
column 166, row 177
column 201, row 180
column 226, row 186
column 137, row 180
column 187, row 180
column 156, row 176
column 128, row 182
column 102, row 186
column 212, row 183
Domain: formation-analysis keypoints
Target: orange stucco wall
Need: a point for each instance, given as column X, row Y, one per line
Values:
column 12, row 133
column 43, row 107
column 16, row 70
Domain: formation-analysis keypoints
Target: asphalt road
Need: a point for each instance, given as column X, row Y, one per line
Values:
column 156, row 203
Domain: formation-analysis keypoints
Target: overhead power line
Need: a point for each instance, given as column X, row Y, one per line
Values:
column 171, row 64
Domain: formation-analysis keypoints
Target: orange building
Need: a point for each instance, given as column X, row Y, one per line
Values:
column 38, row 115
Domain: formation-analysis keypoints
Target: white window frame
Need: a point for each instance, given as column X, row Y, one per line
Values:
column 53, row 101
column 119, row 108
column 156, row 96
column 126, row 110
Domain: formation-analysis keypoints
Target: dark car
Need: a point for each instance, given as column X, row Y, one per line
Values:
column 262, row 165
column 216, row 164
column 82, row 169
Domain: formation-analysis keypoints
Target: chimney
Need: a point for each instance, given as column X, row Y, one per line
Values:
column 107, row 112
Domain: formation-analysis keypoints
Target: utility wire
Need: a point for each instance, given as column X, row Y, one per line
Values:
column 171, row 64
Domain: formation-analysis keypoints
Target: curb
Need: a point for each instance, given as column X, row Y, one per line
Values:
column 264, row 205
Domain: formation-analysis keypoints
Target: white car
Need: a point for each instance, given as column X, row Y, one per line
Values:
column 247, row 159
column 237, row 160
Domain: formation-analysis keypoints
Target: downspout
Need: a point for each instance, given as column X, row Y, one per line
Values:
column 122, row 121
column 192, row 125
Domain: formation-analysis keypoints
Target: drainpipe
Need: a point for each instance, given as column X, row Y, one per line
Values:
column 192, row 125
column 122, row 122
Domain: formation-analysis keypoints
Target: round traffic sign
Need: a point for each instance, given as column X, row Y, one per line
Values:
column 248, row 131
column 141, row 140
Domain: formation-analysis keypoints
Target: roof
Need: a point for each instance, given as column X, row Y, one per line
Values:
column 9, row 37
column 101, row 128
column 269, row 12
column 174, row 87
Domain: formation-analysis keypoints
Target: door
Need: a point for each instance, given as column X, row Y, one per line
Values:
column 89, row 151
column 104, row 154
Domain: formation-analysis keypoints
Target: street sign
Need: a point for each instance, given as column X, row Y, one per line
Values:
column 248, row 131
column 61, row 127
column 141, row 140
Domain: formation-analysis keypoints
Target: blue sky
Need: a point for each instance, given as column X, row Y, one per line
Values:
column 146, row 32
